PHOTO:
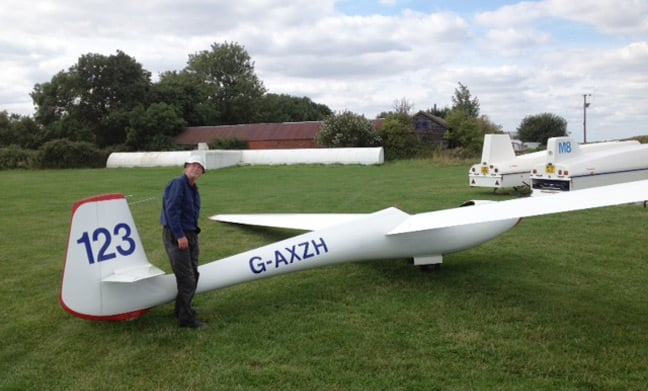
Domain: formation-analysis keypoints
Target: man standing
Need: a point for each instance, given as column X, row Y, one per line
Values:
column 179, row 219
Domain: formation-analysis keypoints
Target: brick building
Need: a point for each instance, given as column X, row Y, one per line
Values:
column 292, row 135
column 286, row 135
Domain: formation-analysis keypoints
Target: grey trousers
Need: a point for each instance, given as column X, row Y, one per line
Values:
column 185, row 267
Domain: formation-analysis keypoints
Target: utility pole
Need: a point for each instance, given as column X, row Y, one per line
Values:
column 585, row 106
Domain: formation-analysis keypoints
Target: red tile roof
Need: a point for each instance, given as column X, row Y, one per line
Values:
column 254, row 132
column 250, row 132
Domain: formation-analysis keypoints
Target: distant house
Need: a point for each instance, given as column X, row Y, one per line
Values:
column 286, row 135
column 430, row 128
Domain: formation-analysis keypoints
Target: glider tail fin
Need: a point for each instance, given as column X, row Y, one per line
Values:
column 561, row 148
column 497, row 148
column 103, row 250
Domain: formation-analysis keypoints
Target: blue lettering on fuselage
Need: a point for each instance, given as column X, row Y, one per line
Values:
column 287, row 255
column 564, row 147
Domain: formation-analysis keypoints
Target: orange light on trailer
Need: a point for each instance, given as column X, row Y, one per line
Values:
column 497, row 183
column 566, row 172
column 535, row 171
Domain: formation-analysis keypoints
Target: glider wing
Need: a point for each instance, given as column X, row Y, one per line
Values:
column 596, row 197
column 300, row 221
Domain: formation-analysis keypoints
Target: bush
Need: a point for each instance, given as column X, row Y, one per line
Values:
column 399, row 139
column 465, row 132
column 228, row 143
column 15, row 157
column 347, row 130
column 453, row 157
column 64, row 153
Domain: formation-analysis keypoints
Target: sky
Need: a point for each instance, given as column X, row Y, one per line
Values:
column 519, row 58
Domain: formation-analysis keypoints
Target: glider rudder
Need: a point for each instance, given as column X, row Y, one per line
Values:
column 103, row 248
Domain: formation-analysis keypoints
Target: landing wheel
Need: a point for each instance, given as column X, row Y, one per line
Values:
column 430, row 268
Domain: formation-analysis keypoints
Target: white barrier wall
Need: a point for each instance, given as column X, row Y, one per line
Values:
column 365, row 156
column 147, row 159
column 219, row 158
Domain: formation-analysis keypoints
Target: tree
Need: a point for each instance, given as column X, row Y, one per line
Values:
column 272, row 108
column 19, row 131
column 347, row 129
column 487, row 126
column 56, row 104
column 399, row 139
column 463, row 101
column 464, row 132
column 441, row 113
column 540, row 127
column 231, row 84
column 403, row 106
column 153, row 129
column 5, row 132
column 188, row 94
column 91, row 101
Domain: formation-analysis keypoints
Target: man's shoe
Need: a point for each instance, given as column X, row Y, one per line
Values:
column 193, row 312
column 196, row 324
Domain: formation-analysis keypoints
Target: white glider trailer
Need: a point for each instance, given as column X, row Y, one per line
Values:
column 501, row 168
column 568, row 167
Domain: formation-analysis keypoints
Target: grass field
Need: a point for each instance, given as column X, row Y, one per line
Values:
column 559, row 302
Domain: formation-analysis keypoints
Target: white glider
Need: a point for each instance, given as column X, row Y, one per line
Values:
column 108, row 277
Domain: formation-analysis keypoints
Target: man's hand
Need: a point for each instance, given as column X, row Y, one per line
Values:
column 183, row 243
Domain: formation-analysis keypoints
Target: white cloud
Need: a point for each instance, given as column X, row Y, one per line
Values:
column 519, row 14
column 611, row 17
column 514, row 41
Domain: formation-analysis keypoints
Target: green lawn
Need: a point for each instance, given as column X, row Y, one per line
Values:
column 559, row 302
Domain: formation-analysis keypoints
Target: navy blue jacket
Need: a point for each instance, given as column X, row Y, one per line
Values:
column 180, row 206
